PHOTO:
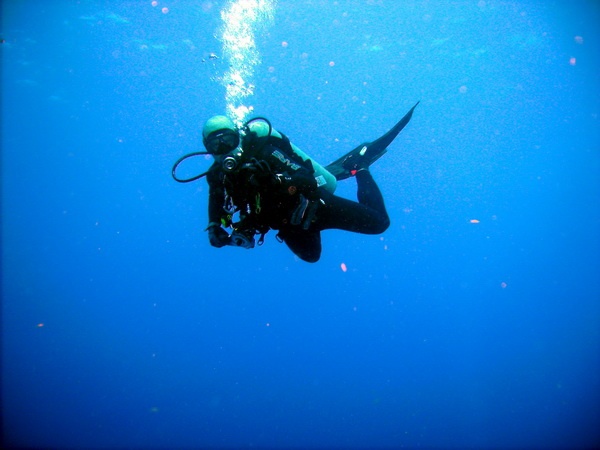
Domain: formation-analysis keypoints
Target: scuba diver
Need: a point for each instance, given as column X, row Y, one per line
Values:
column 260, row 181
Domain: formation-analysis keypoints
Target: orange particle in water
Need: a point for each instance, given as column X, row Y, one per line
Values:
column 343, row 267
column 165, row 10
column 331, row 63
column 573, row 61
column 284, row 44
column 474, row 221
column 154, row 3
column 40, row 325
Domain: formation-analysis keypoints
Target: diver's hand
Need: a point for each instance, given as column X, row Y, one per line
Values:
column 304, row 213
column 262, row 179
column 217, row 236
column 261, row 174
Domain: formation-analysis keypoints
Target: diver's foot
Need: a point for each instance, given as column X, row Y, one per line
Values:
column 353, row 165
column 361, row 160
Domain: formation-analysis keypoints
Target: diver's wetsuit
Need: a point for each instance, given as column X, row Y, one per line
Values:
column 367, row 216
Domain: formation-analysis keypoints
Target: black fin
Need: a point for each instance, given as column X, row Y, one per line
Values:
column 374, row 150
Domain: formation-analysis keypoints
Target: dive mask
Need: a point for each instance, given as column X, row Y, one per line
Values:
column 221, row 141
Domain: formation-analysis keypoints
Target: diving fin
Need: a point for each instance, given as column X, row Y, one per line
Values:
column 366, row 154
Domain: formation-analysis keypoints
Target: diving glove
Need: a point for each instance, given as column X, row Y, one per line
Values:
column 217, row 236
column 304, row 213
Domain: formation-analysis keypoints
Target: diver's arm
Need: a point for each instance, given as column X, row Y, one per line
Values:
column 216, row 199
column 217, row 236
column 216, row 196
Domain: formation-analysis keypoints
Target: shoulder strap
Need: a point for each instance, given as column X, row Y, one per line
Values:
column 256, row 147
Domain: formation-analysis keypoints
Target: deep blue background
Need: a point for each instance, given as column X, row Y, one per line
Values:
column 441, row 333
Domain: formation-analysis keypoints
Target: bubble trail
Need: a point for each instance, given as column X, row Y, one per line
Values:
column 242, row 20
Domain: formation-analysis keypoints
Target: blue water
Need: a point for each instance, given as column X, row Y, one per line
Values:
column 122, row 327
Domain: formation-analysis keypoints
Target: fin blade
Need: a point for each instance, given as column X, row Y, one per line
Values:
column 378, row 147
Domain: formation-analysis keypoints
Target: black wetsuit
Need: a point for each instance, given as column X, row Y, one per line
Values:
column 277, row 204
column 267, row 203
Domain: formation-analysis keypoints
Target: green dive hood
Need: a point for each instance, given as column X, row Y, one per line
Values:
column 217, row 123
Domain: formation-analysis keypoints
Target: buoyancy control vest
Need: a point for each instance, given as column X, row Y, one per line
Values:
column 266, row 143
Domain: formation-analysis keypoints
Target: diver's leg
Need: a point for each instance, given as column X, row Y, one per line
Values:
column 306, row 245
column 368, row 192
column 368, row 216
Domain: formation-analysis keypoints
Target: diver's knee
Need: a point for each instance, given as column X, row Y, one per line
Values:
column 309, row 257
column 382, row 225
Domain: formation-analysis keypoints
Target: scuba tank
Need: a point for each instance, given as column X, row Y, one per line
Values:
column 261, row 128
